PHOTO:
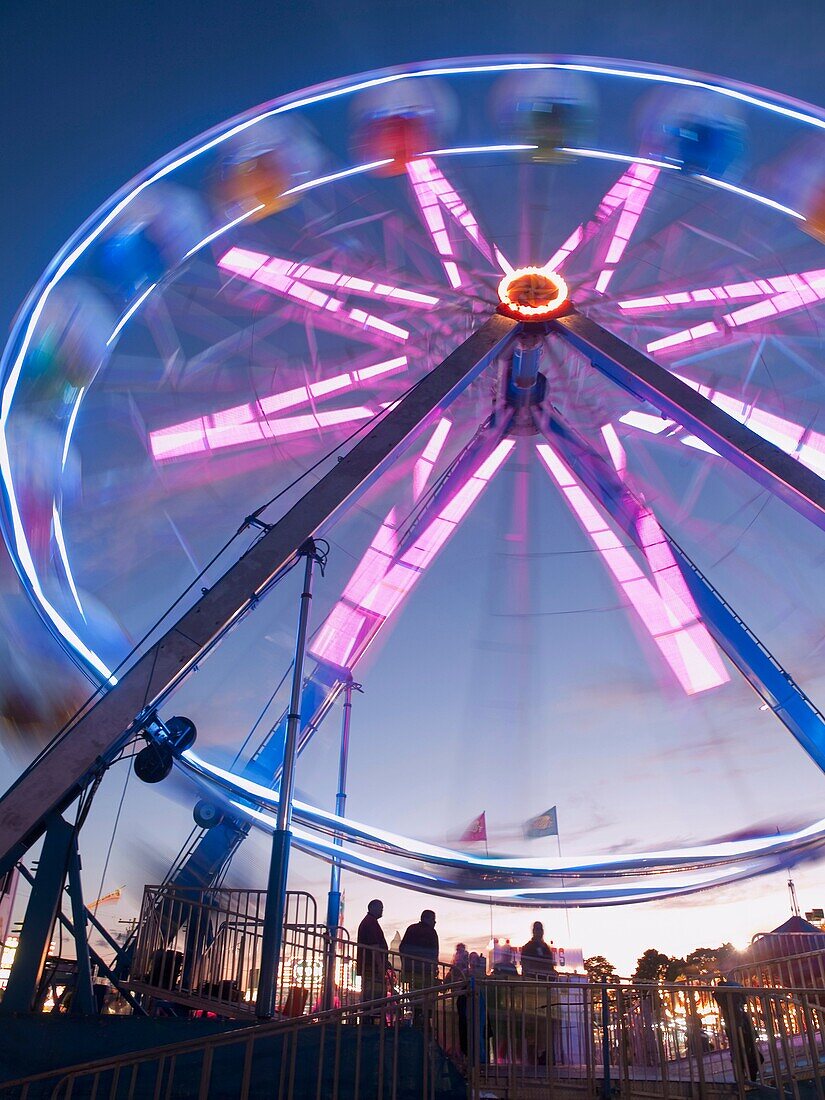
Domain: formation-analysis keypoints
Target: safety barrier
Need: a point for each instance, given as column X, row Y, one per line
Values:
column 804, row 970
column 643, row 1040
column 494, row 1037
column 200, row 950
column 390, row 1047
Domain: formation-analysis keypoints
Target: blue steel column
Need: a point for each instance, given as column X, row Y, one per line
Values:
column 41, row 911
column 83, row 1002
column 279, row 861
column 752, row 658
column 334, row 897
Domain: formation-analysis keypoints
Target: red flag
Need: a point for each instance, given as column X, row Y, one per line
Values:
column 476, row 830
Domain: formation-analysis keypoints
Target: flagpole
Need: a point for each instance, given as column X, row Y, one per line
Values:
column 487, row 856
column 566, row 909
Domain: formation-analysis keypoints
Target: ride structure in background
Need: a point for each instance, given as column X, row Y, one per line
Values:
column 484, row 263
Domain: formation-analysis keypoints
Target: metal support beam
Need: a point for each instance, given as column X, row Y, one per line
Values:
column 83, row 1001
column 38, row 923
column 102, row 966
column 62, row 771
column 635, row 372
column 334, row 896
column 325, row 682
column 754, row 661
column 273, row 929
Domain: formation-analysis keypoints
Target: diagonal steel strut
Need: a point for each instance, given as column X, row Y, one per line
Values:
column 635, row 372
column 62, row 771
column 752, row 658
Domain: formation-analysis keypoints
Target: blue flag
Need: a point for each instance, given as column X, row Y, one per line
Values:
column 546, row 824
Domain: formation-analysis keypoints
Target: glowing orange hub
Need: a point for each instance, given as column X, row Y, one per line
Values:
column 532, row 293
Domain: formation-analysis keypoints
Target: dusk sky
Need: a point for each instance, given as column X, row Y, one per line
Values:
column 514, row 679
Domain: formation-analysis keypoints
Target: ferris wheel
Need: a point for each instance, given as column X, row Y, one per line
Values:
column 610, row 274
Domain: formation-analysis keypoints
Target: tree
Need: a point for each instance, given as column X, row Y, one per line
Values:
column 651, row 966
column 598, row 967
column 708, row 961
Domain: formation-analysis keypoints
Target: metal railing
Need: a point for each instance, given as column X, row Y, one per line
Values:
column 389, row 1047
column 202, row 949
column 805, row 970
column 503, row 1037
column 644, row 1040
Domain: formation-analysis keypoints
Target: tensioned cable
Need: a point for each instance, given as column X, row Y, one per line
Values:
column 102, row 688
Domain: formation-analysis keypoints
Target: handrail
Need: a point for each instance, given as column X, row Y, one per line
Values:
column 235, row 1035
column 513, row 1030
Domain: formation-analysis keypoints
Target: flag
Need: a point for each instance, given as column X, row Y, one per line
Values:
column 476, row 830
column 546, row 824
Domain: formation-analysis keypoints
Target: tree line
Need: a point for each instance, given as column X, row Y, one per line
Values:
column 654, row 966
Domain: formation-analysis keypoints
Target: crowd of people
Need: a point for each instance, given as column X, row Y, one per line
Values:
column 418, row 964
column 419, row 953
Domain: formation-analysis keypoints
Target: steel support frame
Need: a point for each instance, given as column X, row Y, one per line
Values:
column 102, row 966
column 754, row 661
column 41, row 912
column 646, row 380
column 64, row 769
column 321, row 689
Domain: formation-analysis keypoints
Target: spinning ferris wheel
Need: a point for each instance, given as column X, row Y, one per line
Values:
column 412, row 279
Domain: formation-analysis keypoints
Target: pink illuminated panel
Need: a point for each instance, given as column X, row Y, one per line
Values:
column 435, row 196
column 754, row 288
column 306, row 273
column 664, row 606
column 387, row 572
column 429, row 456
column 781, row 295
column 255, row 423
column 804, row 444
column 277, row 275
column 216, row 432
column 614, row 448
column 624, row 203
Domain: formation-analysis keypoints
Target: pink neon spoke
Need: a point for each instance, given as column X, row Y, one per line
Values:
column 804, row 444
column 425, row 171
column 253, row 422
column 686, row 336
column 755, row 288
column 366, row 288
column 664, row 607
column 628, row 196
column 429, row 456
column 569, row 246
column 502, row 261
column 248, row 263
column 239, row 261
column 794, row 293
column 614, row 448
column 436, row 226
column 384, row 576
column 633, row 193
column 216, row 432
column 435, row 196
column 646, row 422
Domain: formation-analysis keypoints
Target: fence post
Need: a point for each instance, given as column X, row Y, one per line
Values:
column 606, row 1085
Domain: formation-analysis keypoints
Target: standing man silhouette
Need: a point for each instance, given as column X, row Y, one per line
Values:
column 371, row 954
